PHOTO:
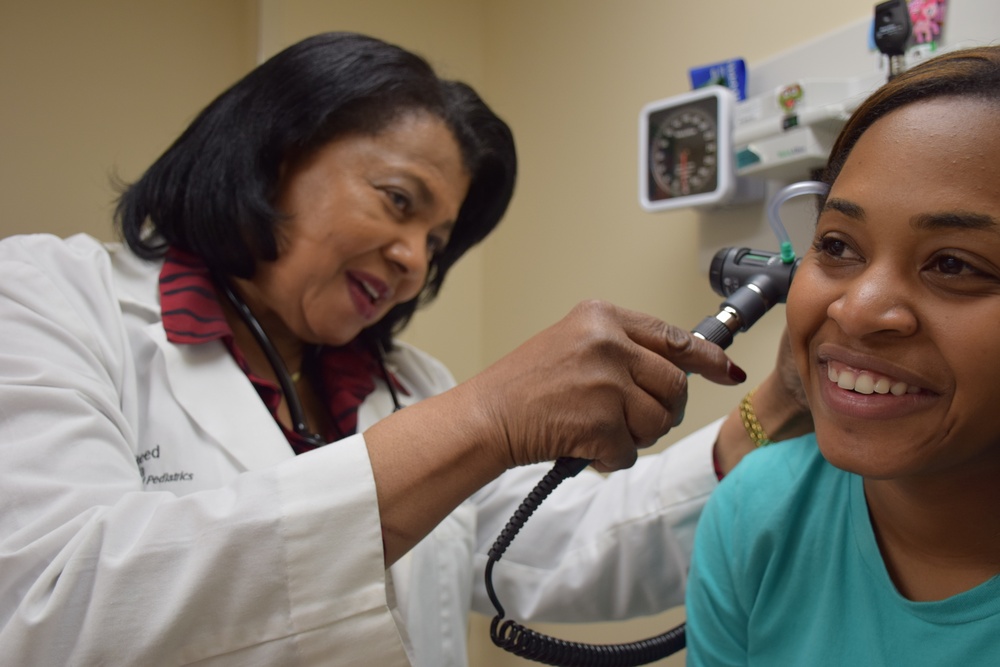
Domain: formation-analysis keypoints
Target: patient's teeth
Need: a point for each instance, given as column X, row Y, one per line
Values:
column 864, row 384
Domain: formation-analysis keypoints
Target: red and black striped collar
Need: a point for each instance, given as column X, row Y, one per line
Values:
column 192, row 315
column 189, row 304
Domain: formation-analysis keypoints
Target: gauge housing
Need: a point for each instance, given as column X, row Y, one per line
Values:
column 685, row 150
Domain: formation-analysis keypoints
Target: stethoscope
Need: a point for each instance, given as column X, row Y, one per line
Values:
column 295, row 409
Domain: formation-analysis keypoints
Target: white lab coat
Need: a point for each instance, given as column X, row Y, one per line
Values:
column 153, row 513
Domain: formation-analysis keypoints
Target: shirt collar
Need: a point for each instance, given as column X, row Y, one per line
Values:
column 189, row 304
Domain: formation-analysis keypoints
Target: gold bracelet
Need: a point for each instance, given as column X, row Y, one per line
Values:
column 753, row 428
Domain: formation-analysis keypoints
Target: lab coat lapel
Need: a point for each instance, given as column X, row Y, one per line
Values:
column 218, row 396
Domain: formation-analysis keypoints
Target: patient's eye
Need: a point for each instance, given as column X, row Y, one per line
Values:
column 835, row 247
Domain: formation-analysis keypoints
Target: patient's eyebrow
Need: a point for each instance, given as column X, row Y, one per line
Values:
column 924, row 221
column 954, row 220
column 850, row 209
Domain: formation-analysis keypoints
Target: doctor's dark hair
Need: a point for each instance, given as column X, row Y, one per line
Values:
column 967, row 73
column 213, row 191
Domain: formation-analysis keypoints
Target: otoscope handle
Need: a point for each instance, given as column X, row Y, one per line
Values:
column 715, row 331
column 569, row 466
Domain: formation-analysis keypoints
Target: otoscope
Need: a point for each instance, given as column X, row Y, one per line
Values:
column 752, row 281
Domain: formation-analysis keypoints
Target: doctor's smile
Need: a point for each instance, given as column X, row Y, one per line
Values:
column 368, row 292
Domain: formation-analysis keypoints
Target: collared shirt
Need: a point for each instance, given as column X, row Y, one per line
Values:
column 193, row 315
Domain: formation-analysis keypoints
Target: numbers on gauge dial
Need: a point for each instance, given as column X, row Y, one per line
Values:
column 684, row 153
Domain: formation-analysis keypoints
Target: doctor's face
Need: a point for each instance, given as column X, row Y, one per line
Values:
column 365, row 215
column 894, row 311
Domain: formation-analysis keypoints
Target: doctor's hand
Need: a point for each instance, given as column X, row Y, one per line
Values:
column 600, row 384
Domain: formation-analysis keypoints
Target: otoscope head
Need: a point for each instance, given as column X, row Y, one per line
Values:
column 733, row 268
column 753, row 281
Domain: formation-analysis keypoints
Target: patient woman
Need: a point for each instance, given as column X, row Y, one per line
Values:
column 878, row 542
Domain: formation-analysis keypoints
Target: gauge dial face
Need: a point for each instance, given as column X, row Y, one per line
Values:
column 684, row 150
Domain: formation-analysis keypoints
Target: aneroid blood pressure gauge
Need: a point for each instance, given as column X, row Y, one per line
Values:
column 685, row 149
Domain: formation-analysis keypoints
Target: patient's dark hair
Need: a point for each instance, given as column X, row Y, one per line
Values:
column 213, row 192
column 971, row 73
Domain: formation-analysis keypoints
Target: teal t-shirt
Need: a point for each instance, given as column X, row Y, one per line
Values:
column 786, row 571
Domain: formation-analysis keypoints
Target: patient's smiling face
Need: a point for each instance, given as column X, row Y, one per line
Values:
column 894, row 314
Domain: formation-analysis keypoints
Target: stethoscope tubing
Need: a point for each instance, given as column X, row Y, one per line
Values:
column 295, row 410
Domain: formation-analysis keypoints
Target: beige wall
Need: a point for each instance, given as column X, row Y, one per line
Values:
column 93, row 87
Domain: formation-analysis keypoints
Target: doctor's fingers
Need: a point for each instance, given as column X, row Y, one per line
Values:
column 678, row 348
column 616, row 454
column 643, row 421
column 648, row 418
column 657, row 398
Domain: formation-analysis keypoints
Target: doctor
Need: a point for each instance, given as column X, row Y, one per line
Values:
column 168, row 493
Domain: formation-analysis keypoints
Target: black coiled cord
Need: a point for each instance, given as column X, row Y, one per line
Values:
column 521, row 641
